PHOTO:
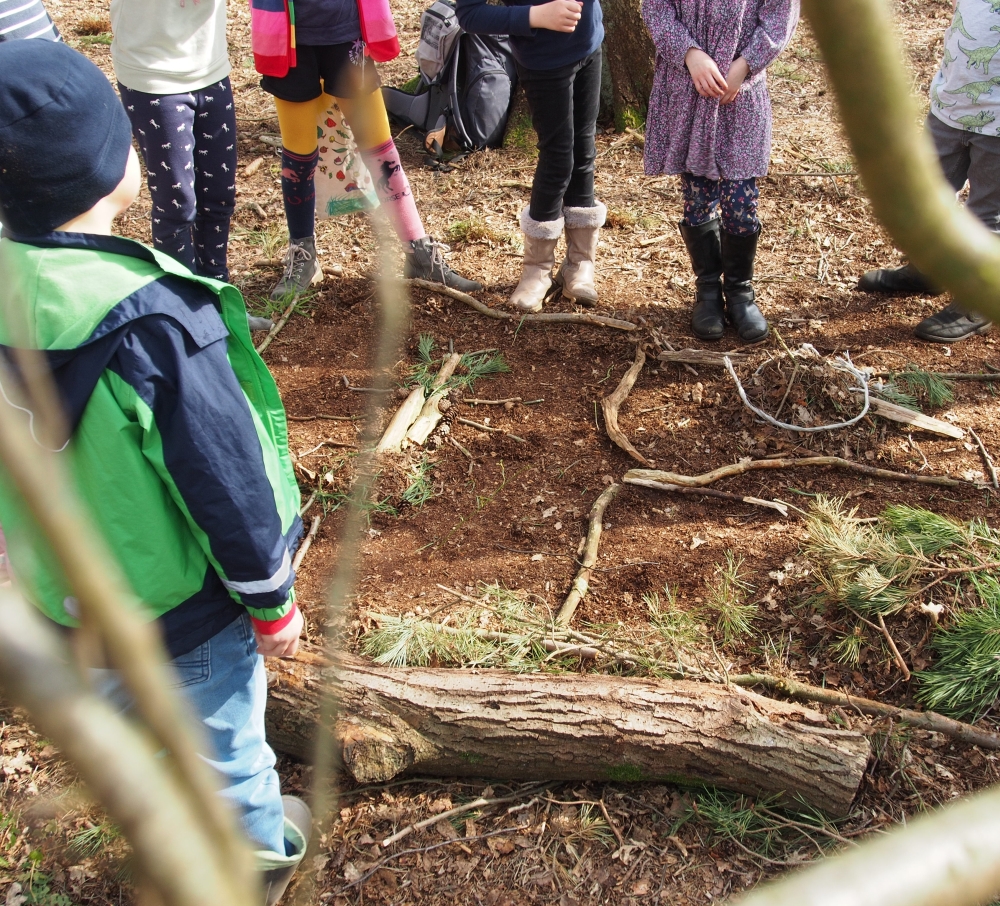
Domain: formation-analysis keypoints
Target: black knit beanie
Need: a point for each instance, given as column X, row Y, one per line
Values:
column 64, row 136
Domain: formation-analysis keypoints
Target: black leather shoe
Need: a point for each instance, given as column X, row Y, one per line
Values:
column 950, row 325
column 738, row 255
column 705, row 250
column 906, row 279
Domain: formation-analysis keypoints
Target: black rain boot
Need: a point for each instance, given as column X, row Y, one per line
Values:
column 738, row 254
column 705, row 251
column 951, row 324
column 906, row 279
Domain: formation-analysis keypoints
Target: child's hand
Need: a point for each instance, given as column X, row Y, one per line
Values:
column 708, row 81
column 559, row 15
column 735, row 78
column 283, row 643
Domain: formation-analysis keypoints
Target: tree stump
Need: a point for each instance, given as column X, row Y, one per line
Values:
column 510, row 726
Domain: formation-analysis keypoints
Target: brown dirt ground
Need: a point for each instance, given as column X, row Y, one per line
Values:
column 515, row 512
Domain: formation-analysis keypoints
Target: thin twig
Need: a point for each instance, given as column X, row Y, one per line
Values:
column 892, row 647
column 581, row 583
column 308, row 504
column 513, row 399
column 282, row 321
column 482, row 427
column 987, row 459
column 573, row 317
column 329, row 418
column 460, row 810
column 712, row 492
column 611, row 823
column 306, row 543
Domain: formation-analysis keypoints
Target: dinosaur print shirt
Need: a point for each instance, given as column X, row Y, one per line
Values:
column 965, row 92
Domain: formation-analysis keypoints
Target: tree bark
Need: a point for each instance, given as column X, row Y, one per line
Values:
column 569, row 727
column 630, row 55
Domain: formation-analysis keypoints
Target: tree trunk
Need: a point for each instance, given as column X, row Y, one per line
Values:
column 512, row 726
column 629, row 55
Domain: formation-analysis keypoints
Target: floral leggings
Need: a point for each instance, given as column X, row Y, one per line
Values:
column 736, row 200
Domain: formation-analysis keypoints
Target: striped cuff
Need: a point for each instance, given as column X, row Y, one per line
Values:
column 270, row 627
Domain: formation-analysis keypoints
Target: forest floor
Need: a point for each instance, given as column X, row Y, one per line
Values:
column 507, row 505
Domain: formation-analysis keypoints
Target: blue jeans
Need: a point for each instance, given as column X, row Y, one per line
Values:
column 224, row 683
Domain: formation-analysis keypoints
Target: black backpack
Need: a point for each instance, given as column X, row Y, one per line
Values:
column 465, row 88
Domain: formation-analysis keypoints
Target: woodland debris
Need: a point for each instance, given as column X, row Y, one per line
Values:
column 430, row 413
column 611, row 404
column 633, row 476
column 410, row 410
column 514, row 400
column 544, row 727
column 595, row 527
column 711, row 492
column 555, row 317
column 253, row 166
column 480, row 426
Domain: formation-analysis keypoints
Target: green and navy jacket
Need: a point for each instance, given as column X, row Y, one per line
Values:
column 178, row 445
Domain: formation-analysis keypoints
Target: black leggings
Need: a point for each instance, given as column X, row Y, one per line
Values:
column 188, row 143
column 564, row 103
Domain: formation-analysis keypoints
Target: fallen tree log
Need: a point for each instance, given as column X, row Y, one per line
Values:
column 509, row 726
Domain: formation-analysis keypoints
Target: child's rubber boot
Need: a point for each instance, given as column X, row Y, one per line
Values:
column 705, row 251
column 906, row 279
column 302, row 269
column 425, row 260
column 277, row 868
column 576, row 273
column 738, row 254
column 540, row 238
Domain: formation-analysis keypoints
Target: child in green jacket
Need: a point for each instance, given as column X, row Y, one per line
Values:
column 177, row 440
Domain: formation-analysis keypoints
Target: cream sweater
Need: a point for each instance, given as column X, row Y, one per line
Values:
column 169, row 46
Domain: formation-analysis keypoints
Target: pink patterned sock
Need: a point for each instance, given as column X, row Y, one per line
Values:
column 393, row 190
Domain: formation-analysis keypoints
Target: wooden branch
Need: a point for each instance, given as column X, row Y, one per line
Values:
column 711, row 492
column 306, row 543
column 897, row 657
column 701, row 357
column 906, row 416
column 581, row 583
column 282, row 321
column 611, row 404
column 497, row 724
column 429, row 416
column 925, row 720
column 753, row 465
column 556, row 317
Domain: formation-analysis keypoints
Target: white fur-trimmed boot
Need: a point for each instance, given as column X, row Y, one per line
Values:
column 540, row 238
column 576, row 274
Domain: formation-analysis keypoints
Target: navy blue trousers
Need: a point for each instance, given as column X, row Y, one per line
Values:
column 188, row 143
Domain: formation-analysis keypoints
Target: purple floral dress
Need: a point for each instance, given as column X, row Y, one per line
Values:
column 686, row 133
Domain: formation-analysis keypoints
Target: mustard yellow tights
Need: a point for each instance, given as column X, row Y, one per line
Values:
column 365, row 115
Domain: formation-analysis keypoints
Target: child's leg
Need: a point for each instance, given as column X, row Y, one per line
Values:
column 163, row 128
column 740, row 232
column 369, row 122
column 364, row 111
column 225, row 683
column 584, row 215
column 299, row 153
column 215, row 177
column 701, row 199
column 738, row 206
column 700, row 229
